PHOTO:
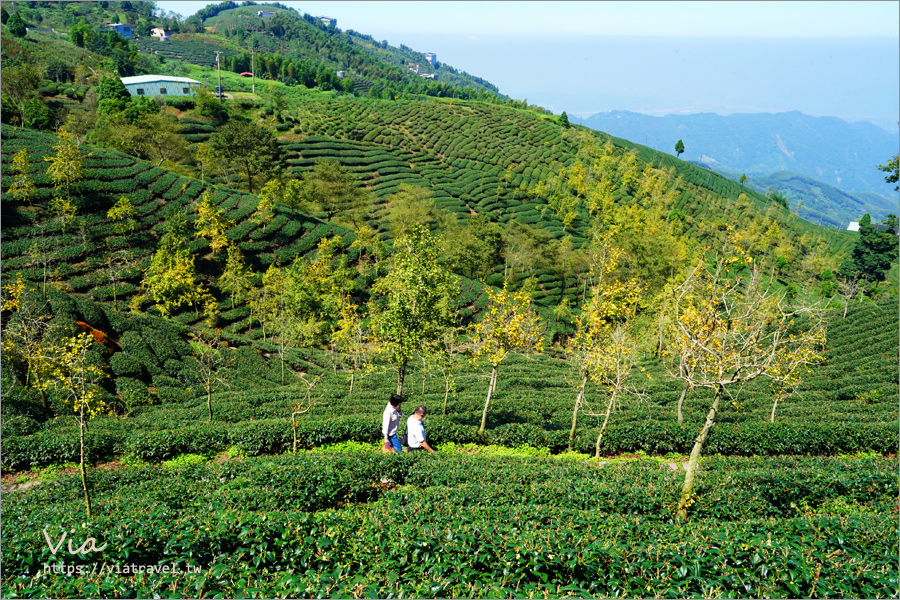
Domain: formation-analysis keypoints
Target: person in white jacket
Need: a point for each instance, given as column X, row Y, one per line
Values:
column 415, row 431
column 390, row 421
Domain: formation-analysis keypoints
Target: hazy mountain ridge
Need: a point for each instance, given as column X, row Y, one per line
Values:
column 841, row 154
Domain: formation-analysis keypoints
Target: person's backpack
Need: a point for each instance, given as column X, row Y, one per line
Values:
column 403, row 440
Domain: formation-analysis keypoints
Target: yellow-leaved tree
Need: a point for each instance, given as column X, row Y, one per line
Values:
column 25, row 325
column 211, row 223
column 728, row 326
column 64, row 171
column 22, row 187
column 171, row 278
column 592, row 349
column 350, row 340
column 75, row 376
column 509, row 325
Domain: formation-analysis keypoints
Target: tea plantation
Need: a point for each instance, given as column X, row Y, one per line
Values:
column 310, row 525
column 262, row 476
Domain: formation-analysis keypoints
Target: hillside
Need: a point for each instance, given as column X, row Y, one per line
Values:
column 822, row 203
column 827, row 149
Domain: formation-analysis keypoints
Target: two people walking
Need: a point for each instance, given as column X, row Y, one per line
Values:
column 415, row 429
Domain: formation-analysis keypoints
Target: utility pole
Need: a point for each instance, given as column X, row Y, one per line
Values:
column 219, row 69
column 253, row 67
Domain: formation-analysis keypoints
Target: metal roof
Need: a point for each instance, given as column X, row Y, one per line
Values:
column 157, row 78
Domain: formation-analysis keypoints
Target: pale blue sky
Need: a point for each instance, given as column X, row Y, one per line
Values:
column 757, row 19
column 832, row 58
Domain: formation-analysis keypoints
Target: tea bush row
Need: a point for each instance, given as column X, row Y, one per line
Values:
column 497, row 527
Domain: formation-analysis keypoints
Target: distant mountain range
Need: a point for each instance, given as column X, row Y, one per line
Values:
column 829, row 150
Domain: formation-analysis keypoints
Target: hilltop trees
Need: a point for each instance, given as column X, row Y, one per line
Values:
column 16, row 25
column 112, row 96
column 20, row 86
column 679, row 148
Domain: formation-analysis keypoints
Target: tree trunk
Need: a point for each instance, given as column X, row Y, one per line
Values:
column 424, row 375
column 609, row 407
column 446, row 393
column 282, row 340
column 774, row 406
column 352, row 378
column 688, row 489
column 401, row 375
column 487, row 402
column 578, row 401
column 294, row 427
column 681, row 403
column 87, row 495
column 209, row 401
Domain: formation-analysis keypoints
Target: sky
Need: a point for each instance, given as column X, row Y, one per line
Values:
column 830, row 58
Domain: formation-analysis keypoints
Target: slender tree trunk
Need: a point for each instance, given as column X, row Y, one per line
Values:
column 294, row 427
column 578, row 400
column 659, row 339
column 688, row 489
column 424, row 375
column 401, row 375
column 609, row 408
column 681, row 403
column 352, row 378
column 774, row 406
column 446, row 392
column 84, row 485
column 487, row 402
column 40, row 387
column 209, row 401
column 282, row 336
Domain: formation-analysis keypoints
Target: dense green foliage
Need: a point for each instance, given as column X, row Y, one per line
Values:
column 319, row 524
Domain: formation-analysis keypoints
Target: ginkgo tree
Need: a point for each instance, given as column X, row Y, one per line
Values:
column 729, row 327
column 26, row 316
column 350, row 340
column 64, row 171
column 22, row 187
column 209, row 365
column 212, row 224
column 592, row 346
column 510, row 325
column 413, row 301
column 611, row 369
column 75, row 376
column 171, row 278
